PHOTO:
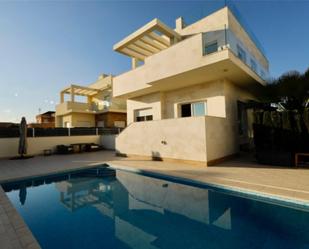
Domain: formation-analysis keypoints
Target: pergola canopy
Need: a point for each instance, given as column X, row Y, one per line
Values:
column 148, row 40
column 80, row 90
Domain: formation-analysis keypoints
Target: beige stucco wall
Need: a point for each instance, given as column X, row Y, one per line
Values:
column 103, row 81
column 78, row 118
column 184, row 137
column 211, row 92
column 182, row 57
column 108, row 141
column 36, row 145
column 218, row 132
column 182, row 65
column 152, row 101
column 221, row 138
column 201, row 139
column 166, row 105
column 66, row 119
column 75, row 119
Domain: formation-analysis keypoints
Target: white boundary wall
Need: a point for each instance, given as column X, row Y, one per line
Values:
column 180, row 138
column 108, row 141
column 36, row 145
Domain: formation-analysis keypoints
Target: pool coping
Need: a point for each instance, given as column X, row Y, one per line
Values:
column 223, row 188
column 15, row 233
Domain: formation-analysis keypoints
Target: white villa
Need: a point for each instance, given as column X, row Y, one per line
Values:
column 187, row 89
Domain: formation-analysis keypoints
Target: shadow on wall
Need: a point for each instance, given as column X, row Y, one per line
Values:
column 156, row 156
column 118, row 153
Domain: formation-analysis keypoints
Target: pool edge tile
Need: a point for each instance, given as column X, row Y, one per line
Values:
column 223, row 188
column 16, row 230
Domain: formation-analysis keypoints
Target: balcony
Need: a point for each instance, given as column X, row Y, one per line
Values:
column 215, row 139
column 186, row 63
column 69, row 106
column 95, row 108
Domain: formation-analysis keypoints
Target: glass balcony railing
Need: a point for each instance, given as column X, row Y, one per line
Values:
column 205, row 8
column 225, row 38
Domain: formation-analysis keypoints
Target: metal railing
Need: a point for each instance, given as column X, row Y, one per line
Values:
column 54, row 132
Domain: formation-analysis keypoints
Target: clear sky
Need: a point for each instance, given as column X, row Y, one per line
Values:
column 45, row 46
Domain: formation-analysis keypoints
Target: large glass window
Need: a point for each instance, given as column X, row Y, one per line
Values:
column 211, row 47
column 242, row 118
column 253, row 65
column 194, row 109
column 262, row 75
column 198, row 109
column 241, row 54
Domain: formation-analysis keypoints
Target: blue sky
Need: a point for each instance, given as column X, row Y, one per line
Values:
column 45, row 46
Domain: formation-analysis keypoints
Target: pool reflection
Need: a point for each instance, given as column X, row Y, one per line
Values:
column 144, row 212
column 154, row 213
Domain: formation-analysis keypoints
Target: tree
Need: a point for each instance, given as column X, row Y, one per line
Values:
column 291, row 90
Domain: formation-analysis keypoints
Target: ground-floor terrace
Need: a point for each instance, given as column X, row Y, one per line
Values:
column 240, row 174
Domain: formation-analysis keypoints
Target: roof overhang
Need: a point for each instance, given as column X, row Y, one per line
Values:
column 218, row 66
column 148, row 40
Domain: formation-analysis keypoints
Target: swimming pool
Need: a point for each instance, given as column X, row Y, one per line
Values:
column 104, row 208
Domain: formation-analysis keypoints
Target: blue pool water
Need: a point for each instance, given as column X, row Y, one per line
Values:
column 101, row 208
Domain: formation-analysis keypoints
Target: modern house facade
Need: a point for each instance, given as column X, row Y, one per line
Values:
column 189, row 86
column 44, row 120
column 95, row 107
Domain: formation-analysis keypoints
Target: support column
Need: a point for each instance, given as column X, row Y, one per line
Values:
column 72, row 94
column 61, row 97
column 134, row 63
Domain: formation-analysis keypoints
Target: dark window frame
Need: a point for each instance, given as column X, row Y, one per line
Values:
column 210, row 45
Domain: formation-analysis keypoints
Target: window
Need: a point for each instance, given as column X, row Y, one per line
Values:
column 120, row 124
column 100, row 124
column 241, row 54
column 198, row 109
column 107, row 100
column 263, row 75
column 186, row 110
column 193, row 109
column 144, row 118
column 242, row 118
column 211, row 47
column 143, row 115
column 253, row 65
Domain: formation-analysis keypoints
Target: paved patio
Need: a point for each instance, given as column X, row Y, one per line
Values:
column 240, row 173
